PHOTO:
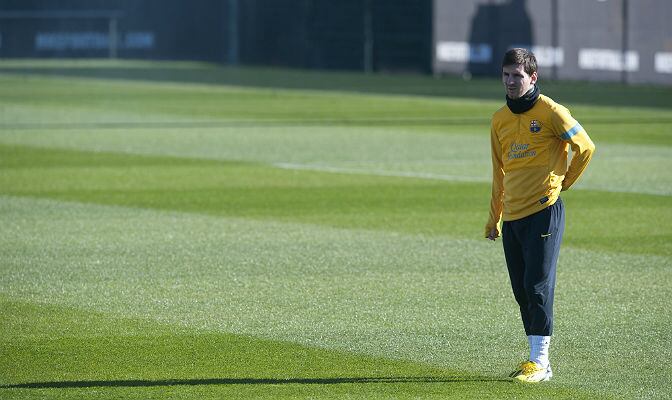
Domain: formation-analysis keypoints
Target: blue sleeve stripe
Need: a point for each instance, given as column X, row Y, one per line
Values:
column 576, row 129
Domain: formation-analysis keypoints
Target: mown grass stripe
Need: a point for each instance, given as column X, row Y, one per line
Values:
column 359, row 201
column 373, row 293
column 216, row 254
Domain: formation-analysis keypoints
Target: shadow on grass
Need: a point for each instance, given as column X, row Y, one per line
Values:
column 247, row 381
column 606, row 94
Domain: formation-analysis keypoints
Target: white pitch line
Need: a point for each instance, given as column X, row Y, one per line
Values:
column 378, row 172
column 440, row 177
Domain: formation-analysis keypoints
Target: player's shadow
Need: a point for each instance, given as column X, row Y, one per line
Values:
column 248, row 381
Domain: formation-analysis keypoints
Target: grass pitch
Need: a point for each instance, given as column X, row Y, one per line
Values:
column 177, row 230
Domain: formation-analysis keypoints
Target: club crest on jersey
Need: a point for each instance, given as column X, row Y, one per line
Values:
column 535, row 126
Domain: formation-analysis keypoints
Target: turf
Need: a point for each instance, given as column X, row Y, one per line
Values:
column 62, row 341
column 186, row 231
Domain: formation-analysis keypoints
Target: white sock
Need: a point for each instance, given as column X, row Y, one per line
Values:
column 539, row 346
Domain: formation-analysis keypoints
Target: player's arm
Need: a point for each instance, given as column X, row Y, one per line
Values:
column 492, row 228
column 582, row 147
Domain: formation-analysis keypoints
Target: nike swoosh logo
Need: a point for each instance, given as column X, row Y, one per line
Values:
column 546, row 235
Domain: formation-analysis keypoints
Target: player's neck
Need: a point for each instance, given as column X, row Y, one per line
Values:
column 524, row 102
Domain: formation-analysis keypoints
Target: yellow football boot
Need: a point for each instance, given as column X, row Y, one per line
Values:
column 531, row 372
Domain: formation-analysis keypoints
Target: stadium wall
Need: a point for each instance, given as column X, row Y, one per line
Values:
column 597, row 40
column 148, row 29
column 605, row 40
column 371, row 35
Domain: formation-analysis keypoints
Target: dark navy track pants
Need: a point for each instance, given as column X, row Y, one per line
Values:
column 531, row 248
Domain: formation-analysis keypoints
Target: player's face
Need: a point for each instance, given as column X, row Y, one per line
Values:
column 516, row 81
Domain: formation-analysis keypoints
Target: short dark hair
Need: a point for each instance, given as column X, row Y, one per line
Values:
column 523, row 57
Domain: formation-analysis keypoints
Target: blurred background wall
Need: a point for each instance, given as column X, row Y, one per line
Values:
column 627, row 41
column 607, row 40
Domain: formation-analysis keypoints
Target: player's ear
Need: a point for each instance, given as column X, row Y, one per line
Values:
column 534, row 77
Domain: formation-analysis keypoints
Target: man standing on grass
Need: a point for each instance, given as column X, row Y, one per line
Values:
column 530, row 137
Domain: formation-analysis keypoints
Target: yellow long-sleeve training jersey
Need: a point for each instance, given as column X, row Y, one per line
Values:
column 529, row 159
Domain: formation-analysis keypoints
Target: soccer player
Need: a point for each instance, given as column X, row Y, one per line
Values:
column 530, row 139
